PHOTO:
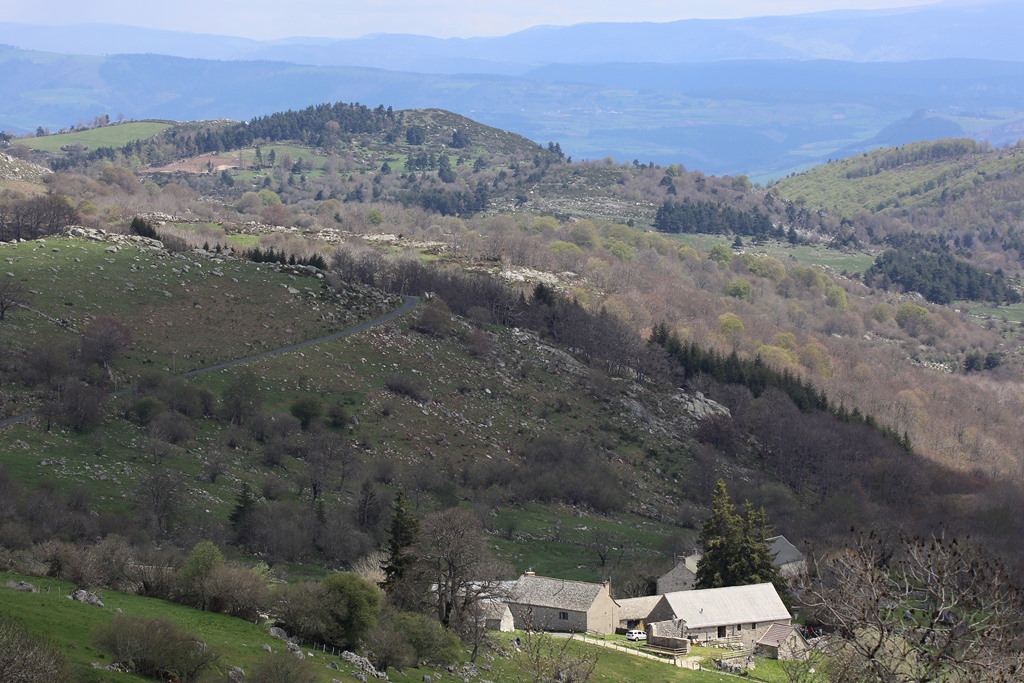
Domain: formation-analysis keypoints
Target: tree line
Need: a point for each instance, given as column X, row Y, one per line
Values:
column 937, row 275
column 27, row 218
column 704, row 216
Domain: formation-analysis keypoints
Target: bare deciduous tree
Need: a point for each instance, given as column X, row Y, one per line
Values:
column 542, row 657
column 12, row 295
column 933, row 610
column 453, row 558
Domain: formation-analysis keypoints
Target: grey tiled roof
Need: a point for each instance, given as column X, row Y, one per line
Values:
column 637, row 608
column 776, row 635
column 783, row 551
column 725, row 606
column 542, row 591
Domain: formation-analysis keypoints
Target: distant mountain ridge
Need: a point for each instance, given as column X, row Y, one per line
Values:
column 985, row 30
column 764, row 96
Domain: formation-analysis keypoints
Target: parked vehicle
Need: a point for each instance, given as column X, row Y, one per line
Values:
column 636, row 634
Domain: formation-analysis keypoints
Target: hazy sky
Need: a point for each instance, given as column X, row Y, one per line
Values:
column 444, row 18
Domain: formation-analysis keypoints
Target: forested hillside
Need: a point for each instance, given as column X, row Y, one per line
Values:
column 594, row 346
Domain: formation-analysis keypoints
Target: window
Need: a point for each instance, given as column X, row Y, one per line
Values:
column 721, row 632
column 739, row 627
column 753, row 627
column 564, row 616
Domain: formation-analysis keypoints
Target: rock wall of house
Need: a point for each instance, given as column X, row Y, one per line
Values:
column 679, row 579
column 549, row 619
column 670, row 635
column 745, row 633
column 603, row 615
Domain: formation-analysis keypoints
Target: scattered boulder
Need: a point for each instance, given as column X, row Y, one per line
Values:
column 22, row 586
column 363, row 664
column 279, row 633
column 85, row 597
column 236, row 674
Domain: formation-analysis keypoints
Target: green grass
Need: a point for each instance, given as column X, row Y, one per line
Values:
column 71, row 626
column 1011, row 312
column 851, row 185
column 839, row 260
column 612, row 666
column 182, row 319
column 108, row 136
column 564, row 550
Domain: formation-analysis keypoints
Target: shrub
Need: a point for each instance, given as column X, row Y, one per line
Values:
column 307, row 409
column 406, row 385
column 156, row 648
column 431, row 642
column 26, row 659
column 194, row 576
column 238, row 591
column 282, row 668
column 337, row 417
column 170, row 427
column 147, row 408
column 299, row 608
column 435, row 318
column 143, row 228
column 353, row 604
column 739, row 289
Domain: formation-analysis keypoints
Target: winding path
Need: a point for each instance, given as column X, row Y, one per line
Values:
column 408, row 303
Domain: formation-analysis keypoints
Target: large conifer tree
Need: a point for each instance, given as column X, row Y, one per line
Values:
column 734, row 546
column 404, row 529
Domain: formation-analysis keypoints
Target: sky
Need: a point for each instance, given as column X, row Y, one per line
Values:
column 271, row 19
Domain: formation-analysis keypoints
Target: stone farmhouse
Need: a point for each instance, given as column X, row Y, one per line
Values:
column 547, row 604
column 791, row 562
column 682, row 577
column 782, row 642
column 634, row 611
column 740, row 614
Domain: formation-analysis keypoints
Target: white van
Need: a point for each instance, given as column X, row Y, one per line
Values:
column 636, row 634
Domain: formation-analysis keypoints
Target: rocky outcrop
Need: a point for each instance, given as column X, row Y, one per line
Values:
column 363, row 664
column 85, row 597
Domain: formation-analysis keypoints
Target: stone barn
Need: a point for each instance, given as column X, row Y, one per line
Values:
column 546, row 604
column 782, row 642
column 738, row 613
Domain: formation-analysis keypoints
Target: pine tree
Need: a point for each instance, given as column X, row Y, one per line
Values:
column 736, row 551
column 244, row 505
column 721, row 538
column 404, row 530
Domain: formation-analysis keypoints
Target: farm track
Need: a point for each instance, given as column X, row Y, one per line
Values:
column 408, row 303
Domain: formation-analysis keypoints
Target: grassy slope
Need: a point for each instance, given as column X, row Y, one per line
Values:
column 843, row 188
column 180, row 320
column 108, row 136
column 71, row 626
column 483, row 408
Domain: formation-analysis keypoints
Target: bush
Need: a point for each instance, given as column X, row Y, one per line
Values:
column 435, row 318
column 238, row 591
column 353, row 604
column 282, row 668
column 407, row 385
column 25, row 659
column 147, row 408
column 307, row 409
column 195, row 574
column 431, row 642
column 170, row 427
column 156, row 648
column 143, row 228
column 337, row 416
